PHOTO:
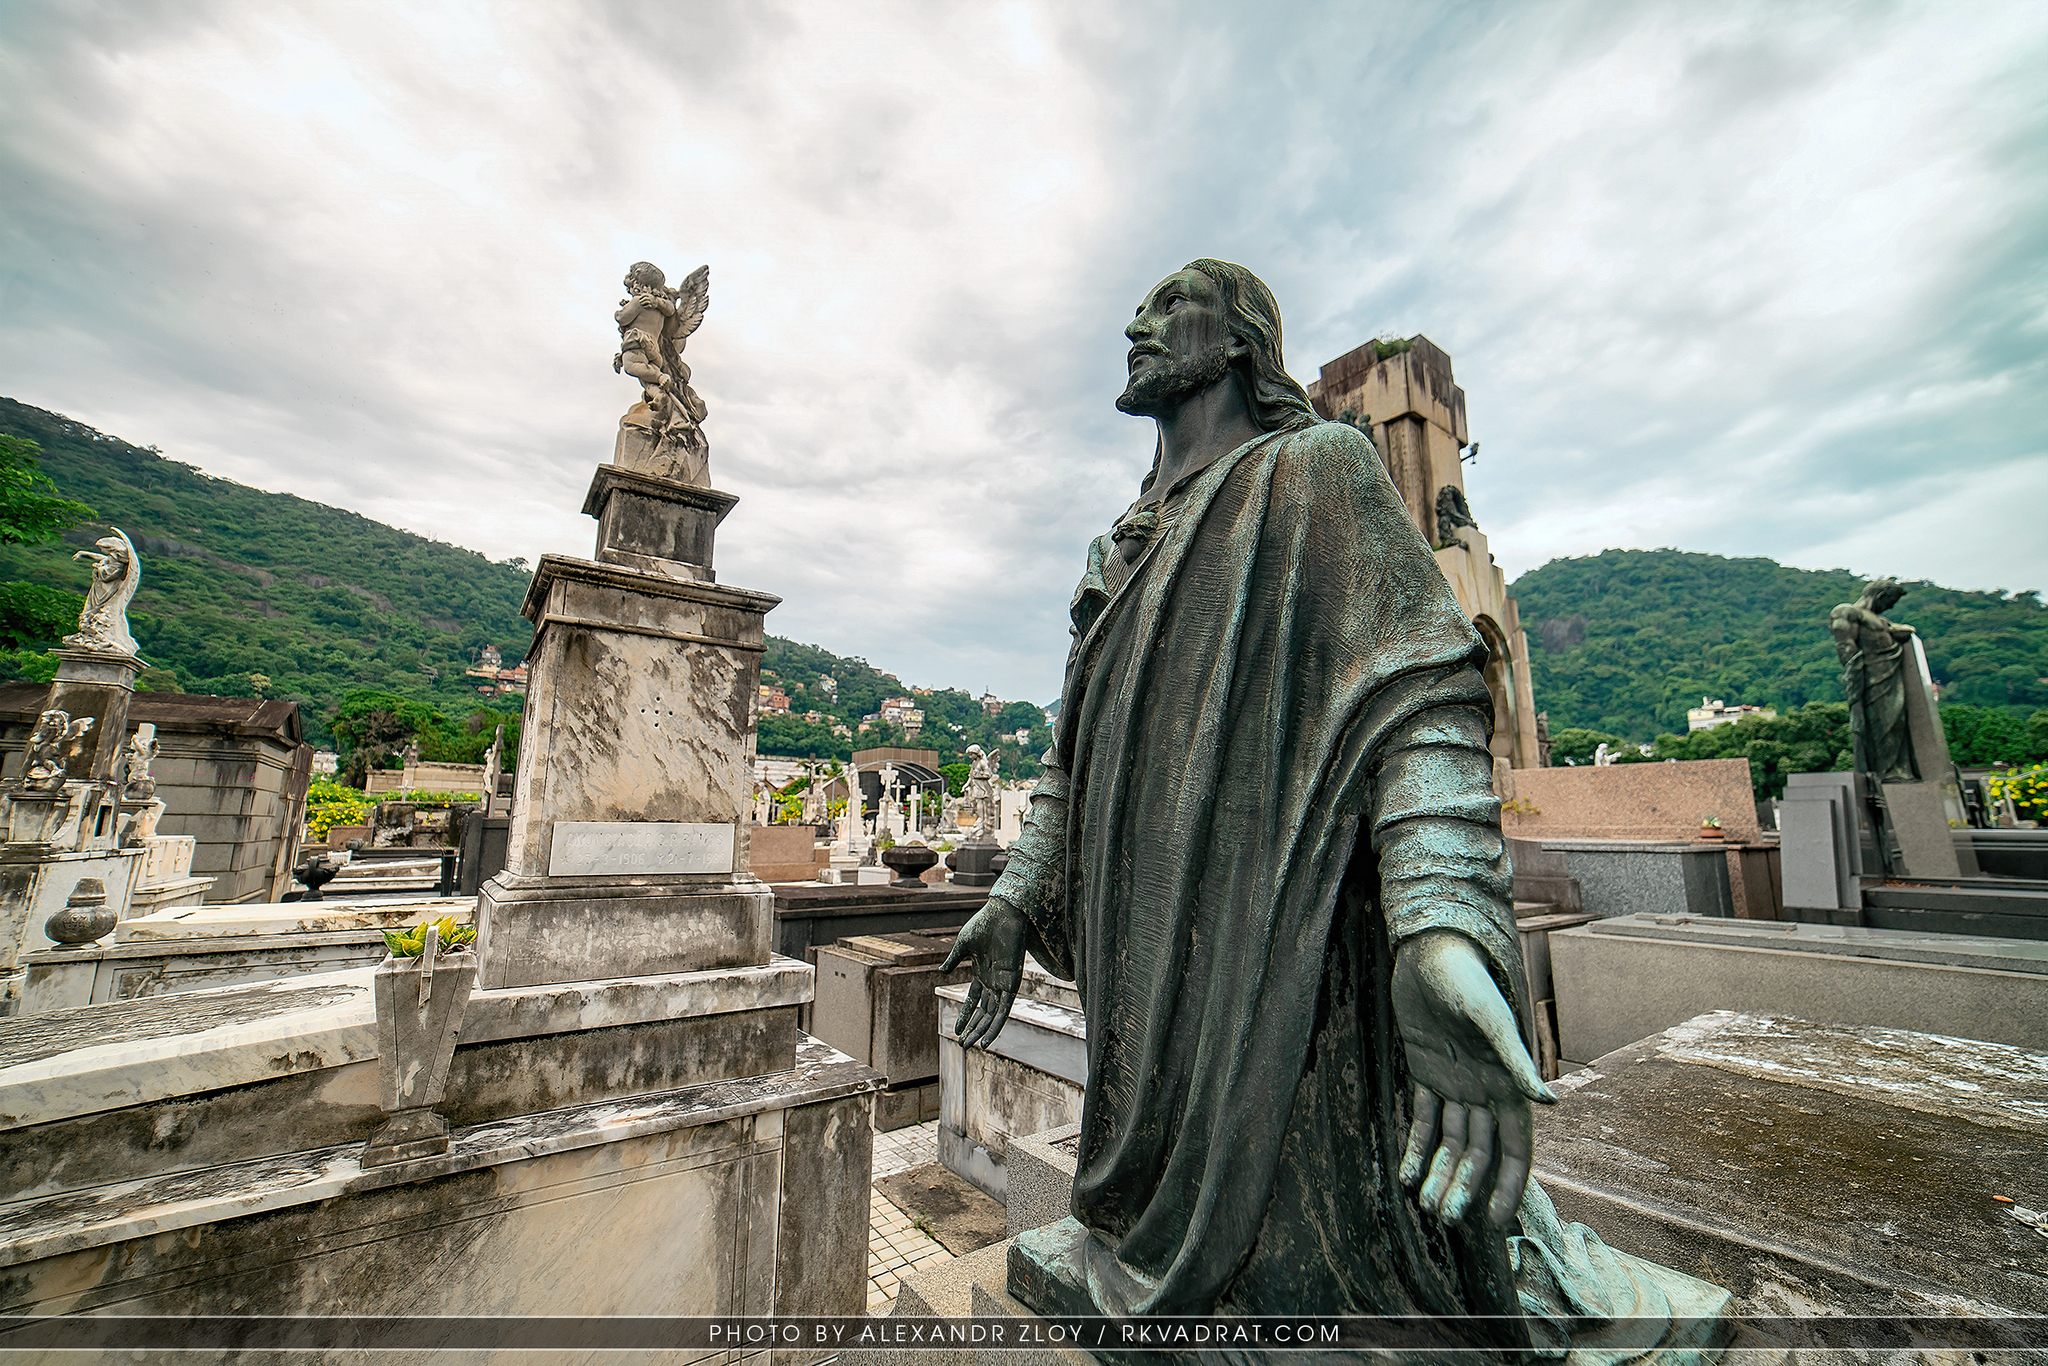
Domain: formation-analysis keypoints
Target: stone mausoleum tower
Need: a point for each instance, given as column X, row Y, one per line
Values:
column 1405, row 400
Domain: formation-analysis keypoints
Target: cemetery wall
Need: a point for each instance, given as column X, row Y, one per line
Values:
column 232, row 773
column 1634, row 801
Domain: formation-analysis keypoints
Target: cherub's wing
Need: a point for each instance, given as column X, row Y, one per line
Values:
column 693, row 296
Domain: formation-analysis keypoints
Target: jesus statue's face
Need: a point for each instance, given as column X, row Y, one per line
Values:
column 1177, row 345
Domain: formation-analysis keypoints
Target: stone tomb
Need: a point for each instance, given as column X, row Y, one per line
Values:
column 809, row 917
column 1817, row 1172
column 1624, row 979
column 192, row 948
column 1029, row 1079
column 201, row 1154
column 231, row 771
column 1813, row 1169
column 71, row 837
column 877, row 1003
column 1834, row 873
column 1665, row 877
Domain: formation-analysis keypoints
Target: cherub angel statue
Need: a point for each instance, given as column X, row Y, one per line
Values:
column 48, row 747
column 654, row 324
column 103, row 625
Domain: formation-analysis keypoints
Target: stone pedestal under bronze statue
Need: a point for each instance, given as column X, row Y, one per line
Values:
column 1267, row 848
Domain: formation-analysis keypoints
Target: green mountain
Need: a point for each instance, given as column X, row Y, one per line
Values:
column 244, row 590
column 238, row 582
column 1626, row 640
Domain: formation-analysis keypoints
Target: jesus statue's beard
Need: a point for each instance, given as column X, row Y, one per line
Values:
column 1161, row 390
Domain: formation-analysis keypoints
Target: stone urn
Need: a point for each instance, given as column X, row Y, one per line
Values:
column 86, row 917
column 419, row 1008
column 314, row 874
column 907, row 861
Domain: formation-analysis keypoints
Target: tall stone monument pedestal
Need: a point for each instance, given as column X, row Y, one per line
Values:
column 630, row 1119
column 69, row 824
column 627, row 854
column 1923, row 813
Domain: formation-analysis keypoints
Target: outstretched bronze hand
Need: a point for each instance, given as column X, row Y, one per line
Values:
column 1474, row 1080
column 994, row 937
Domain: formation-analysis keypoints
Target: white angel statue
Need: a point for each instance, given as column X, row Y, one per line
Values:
column 103, row 625
column 654, row 324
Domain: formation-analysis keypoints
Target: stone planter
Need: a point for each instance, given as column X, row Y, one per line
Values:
column 908, row 861
column 419, row 1009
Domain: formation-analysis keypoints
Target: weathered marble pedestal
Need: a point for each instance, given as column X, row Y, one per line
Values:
column 61, row 832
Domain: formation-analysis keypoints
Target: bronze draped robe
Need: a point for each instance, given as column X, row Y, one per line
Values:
column 1273, row 747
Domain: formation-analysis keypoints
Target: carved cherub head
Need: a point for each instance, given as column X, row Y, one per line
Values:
column 50, row 727
column 645, row 277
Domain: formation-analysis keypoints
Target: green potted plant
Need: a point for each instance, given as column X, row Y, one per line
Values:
column 1710, row 828
column 421, row 990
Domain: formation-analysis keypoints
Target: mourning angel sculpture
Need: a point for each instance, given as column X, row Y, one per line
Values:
column 654, row 324
column 981, row 793
column 116, row 571
column 1452, row 512
column 1267, row 847
column 1877, row 659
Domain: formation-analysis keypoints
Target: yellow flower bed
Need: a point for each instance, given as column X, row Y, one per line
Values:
column 2028, row 789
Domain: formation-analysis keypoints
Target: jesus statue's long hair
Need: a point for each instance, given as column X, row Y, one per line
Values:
column 1253, row 316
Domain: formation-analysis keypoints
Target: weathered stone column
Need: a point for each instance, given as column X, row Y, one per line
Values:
column 628, row 852
column 66, row 824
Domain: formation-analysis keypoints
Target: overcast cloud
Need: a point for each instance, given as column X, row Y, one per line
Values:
column 1757, row 280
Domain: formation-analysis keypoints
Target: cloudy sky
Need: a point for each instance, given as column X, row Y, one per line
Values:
column 1751, row 279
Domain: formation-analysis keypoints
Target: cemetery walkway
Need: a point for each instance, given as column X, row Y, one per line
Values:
column 896, row 1246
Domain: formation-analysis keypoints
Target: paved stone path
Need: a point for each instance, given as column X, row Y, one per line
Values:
column 896, row 1247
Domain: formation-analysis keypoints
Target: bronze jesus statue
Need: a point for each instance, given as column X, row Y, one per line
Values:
column 1267, row 847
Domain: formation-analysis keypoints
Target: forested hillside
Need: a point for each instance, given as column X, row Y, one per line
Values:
column 1626, row 640
column 309, row 600
column 246, row 592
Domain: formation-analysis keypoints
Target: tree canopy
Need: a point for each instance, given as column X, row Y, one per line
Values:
column 32, row 512
column 1626, row 641
column 239, row 584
